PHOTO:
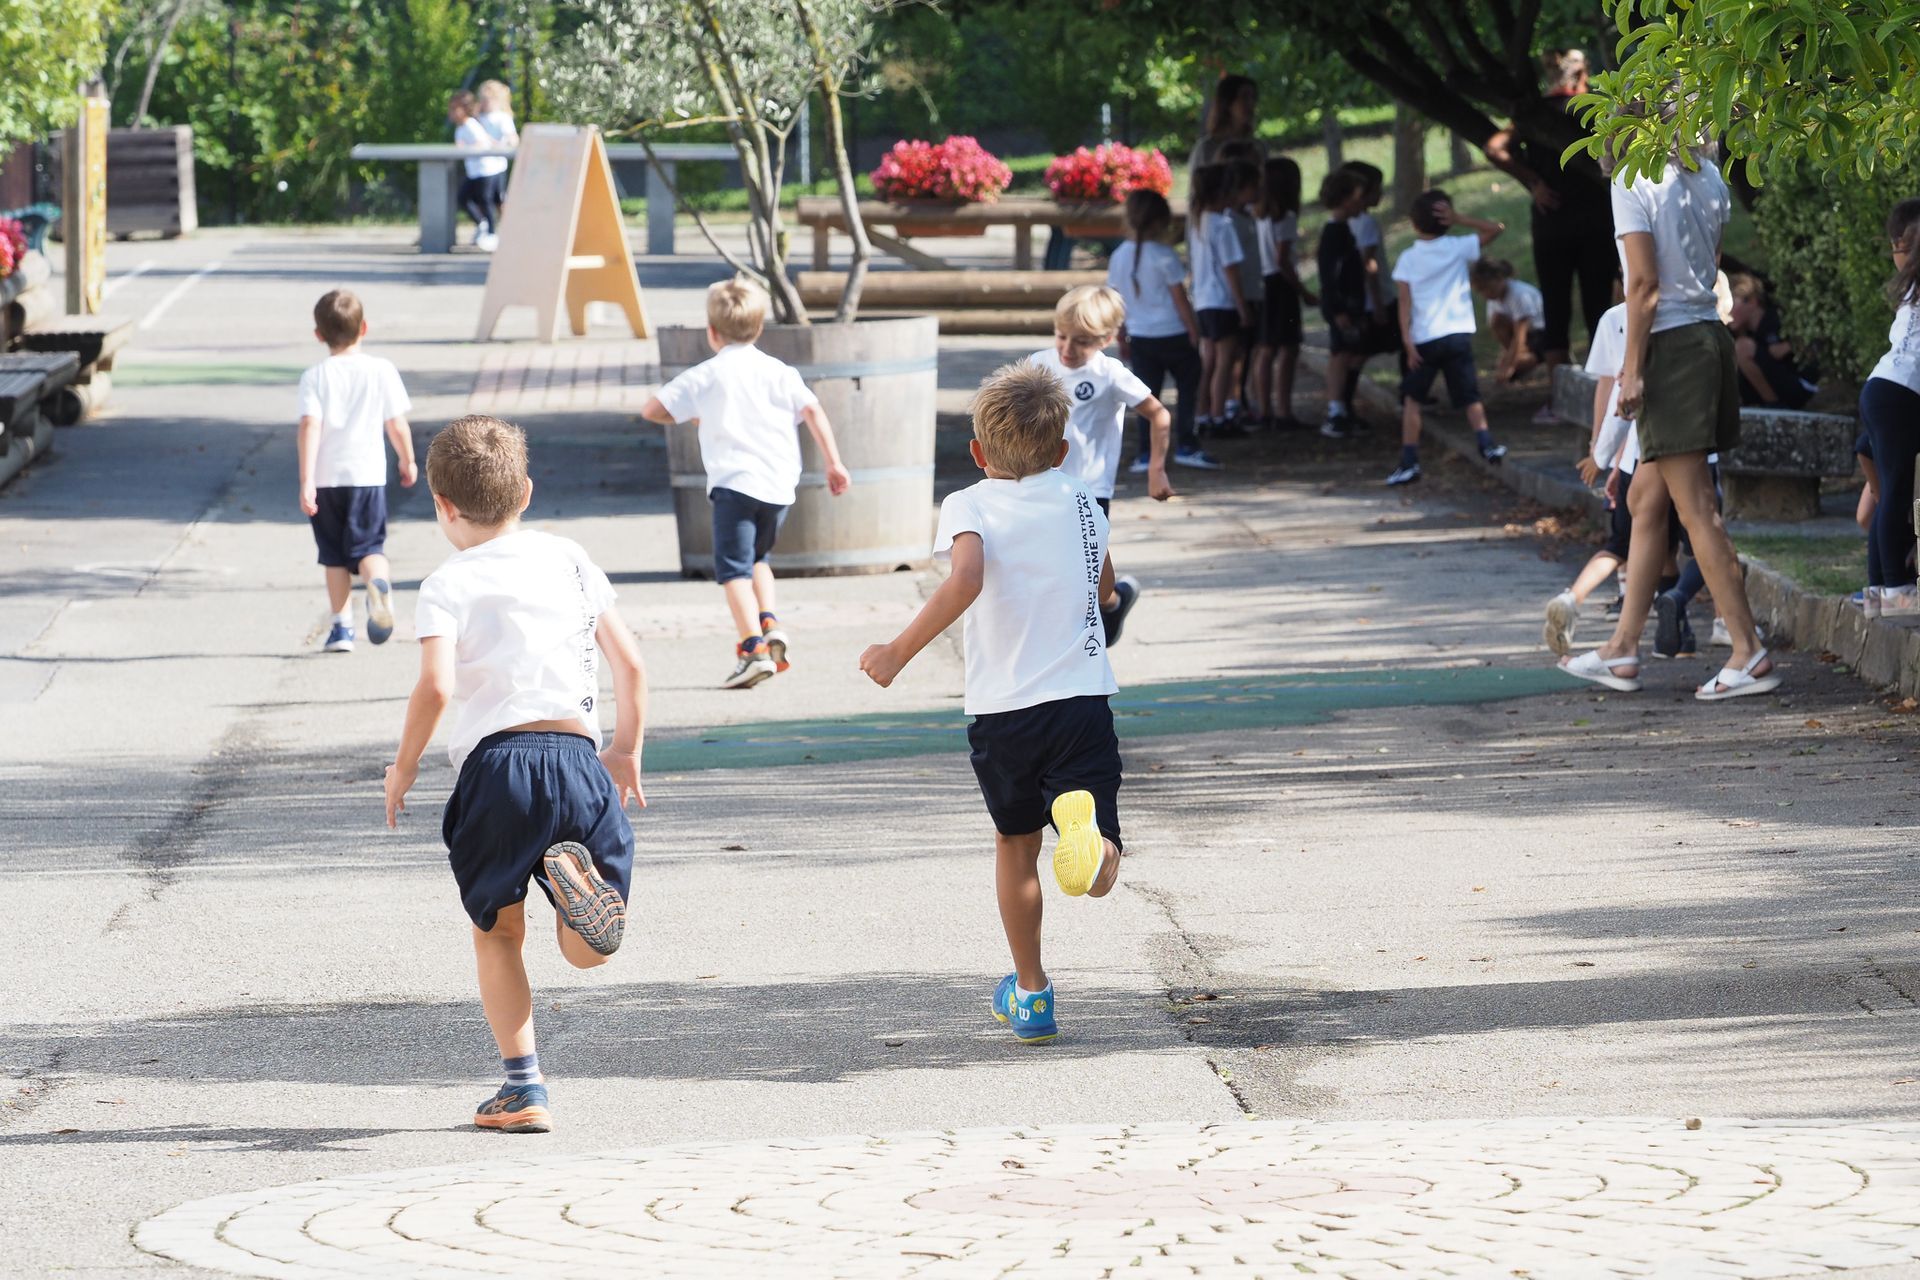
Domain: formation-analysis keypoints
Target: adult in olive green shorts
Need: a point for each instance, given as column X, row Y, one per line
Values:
column 1679, row 385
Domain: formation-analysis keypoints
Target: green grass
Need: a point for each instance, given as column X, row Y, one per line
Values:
column 1832, row 565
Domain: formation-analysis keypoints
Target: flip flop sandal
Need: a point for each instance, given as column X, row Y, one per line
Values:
column 1738, row 682
column 1591, row 666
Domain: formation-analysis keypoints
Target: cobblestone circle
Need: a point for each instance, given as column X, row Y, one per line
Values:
column 1540, row 1198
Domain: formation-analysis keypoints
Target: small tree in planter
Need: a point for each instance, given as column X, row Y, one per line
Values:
column 654, row 66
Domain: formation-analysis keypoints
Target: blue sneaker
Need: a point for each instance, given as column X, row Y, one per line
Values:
column 379, row 610
column 517, row 1108
column 1030, row 1016
column 339, row 640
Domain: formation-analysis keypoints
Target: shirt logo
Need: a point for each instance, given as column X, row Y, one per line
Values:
column 1083, row 391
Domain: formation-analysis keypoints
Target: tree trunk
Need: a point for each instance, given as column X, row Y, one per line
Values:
column 1330, row 138
column 1459, row 157
column 836, row 140
column 153, row 64
column 1409, row 157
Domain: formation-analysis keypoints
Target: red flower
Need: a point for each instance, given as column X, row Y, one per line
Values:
column 13, row 245
column 956, row 169
column 1108, row 172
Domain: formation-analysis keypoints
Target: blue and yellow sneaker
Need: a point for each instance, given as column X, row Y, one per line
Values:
column 517, row 1108
column 1030, row 1016
column 1080, row 849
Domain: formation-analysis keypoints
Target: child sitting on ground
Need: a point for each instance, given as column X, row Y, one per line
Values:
column 1436, row 323
column 508, row 628
column 1026, row 544
column 748, row 405
column 346, row 402
column 1515, row 316
column 1769, row 373
column 1085, row 321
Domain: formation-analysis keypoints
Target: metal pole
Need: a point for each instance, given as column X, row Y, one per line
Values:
column 1106, row 122
column 233, row 119
column 806, row 140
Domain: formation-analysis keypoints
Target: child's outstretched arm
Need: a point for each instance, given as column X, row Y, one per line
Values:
column 882, row 662
column 1291, row 272
column 622, row 757
column 308, row 441
column 430, row 697
column 1184, row 305
column 401, row 433
column 838, row 480
column 1159, row 429
column 654, row 411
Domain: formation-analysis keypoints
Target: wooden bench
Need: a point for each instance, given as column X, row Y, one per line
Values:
column 92, row 340
column 28, row 383
column 963, row 301
column 1104, row 220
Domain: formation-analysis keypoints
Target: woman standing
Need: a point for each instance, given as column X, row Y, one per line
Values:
column 1230, row 118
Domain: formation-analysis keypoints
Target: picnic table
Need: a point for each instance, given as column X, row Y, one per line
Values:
column 440, row 181
column 1103, row 220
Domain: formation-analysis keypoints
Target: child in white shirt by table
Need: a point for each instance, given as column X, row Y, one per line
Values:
column 485, row 185
column 1160, row 337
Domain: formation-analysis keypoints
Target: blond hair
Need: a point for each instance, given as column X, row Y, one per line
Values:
column 494, row 95
column 1020, row 418
column 1746, row 287
column 479, row 465
column 1089, row 311
column 737, row 309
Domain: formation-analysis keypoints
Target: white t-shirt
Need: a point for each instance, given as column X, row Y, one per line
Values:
column 1214, row 251
column 748, row 405
column 1102, row 390
column 1901, row 364
column 1523, row 304
column 1275, row 232
column 353, row 395
column 472, row 133
column 1150, row 309
column 1435, row 272
column 1605, row 358
column 1034, row 634
column 500, row 128
column 521, row 610
column 1686, row 212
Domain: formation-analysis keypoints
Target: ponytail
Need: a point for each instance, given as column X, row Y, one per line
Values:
column 1147, row 216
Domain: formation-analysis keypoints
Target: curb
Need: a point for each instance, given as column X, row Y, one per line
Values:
column 1877, row 651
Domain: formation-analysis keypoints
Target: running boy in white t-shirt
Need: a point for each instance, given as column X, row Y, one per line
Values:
column 1026, row 545
column 749, row 407
column 508, row 628
column 1436, row 323
column 346, row 402
column 1085, row 322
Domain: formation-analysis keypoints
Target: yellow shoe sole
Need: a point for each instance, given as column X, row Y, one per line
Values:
column 1078, row 852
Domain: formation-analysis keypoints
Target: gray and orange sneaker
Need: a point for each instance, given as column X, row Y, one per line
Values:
column 517, row 1108
column 591, row 907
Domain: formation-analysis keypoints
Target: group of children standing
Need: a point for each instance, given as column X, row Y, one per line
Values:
column 483, row 118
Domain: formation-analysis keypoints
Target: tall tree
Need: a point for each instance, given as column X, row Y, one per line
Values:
column 49, row 50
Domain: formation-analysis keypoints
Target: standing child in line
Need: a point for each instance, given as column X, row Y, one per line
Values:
column 1279, row 230
column 1244, row 181
column 1436, row 323
column 346, row 402
column 1025, row 544
column 1382, row 336
column 485, row 180
column 1213, row 252
column 1345, row 301
column 1890, row 410
column 509, row 626
column 749, row 406
column 1515, row 314
column 1085, row 321
column 1161, row 335
column 495, row 103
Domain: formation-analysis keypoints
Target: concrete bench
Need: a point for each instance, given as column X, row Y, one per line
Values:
column 1776, row 471
column 440, row 173
column 30, row 385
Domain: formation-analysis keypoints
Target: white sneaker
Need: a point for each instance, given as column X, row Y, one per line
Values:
column 1720, row 639
column 1899, row 602
column 751, row 670
column 486, row 242
column 1563, row 611
column 1404, row 475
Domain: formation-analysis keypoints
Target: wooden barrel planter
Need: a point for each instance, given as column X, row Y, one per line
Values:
column 875, row 379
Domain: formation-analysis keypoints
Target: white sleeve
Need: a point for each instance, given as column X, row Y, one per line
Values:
column 1613, row 434
column 1226, row 246
column 681, row 397
column 1605, row 356
column 433, row 612
column 1632, row 210
column 1173, row 272
column 1128, row 384
column 958, row 515
column 799, row 394
column 1469, row 249
column 1400, row 271
column 393, row 394
column 600, row 596
column 310, row 406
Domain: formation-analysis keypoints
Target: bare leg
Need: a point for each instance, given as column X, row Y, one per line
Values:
column 1017, row 883
column 1259, row 375
column 1337, row 376
column 1227, row 353
column 1409, row 421
column 1109, row 870
column 1284, row 361
column 1209, row 359
column 1647, row 500
column 339, row 588
column 1477, row 417
column 574, row 948
column 375, row 566
column 763, row 589
column 740, row 603
column 1109, row 598
column 1691, row 485
column 1595, row 572
column 504, row 993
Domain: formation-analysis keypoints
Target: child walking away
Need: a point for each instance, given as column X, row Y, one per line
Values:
column 486, row 180
column 1515, row 314
column 1213, row 252
column 1025, row 544
column 1161, row 337
column 1102, row 389
column 1436, row 323
column 1279, row 230
column 1890, row 408
column 509, row 626
column 748, row 405
column 1345, row 301
column 346, row 402
column 1769, row 374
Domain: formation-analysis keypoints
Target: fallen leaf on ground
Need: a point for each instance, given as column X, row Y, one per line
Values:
column 1741, row 822
column 1901, row 1080
column 1815, row 724
column 1583, row 964
column 733, row 848
column 1204, row 995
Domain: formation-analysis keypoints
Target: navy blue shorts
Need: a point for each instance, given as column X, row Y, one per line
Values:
column 743, row 532
column 350, row 525
column 518, row 795
column 1451, row 355
column 1025, row 759
column 1218, row 322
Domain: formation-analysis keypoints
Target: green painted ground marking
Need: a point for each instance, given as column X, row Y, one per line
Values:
column 207, row 375
column 1143, row 711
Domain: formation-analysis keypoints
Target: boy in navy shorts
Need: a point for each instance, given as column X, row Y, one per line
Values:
column 1027, row 544
column 511, row 626
column 748, row 405
column 346, row 401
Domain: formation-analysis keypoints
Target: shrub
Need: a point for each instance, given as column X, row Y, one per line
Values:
column 1109, row 171
column 1824, row 239
column 956, row 169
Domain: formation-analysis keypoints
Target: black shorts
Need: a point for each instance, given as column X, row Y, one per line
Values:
column 743, row 532
column 1451, row 355
column 1280, row 320
column 518, row 795
column 1620, row 522
column 1218, row 322
column 350, row 525
column 1863, row 446
column 1026, row 759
